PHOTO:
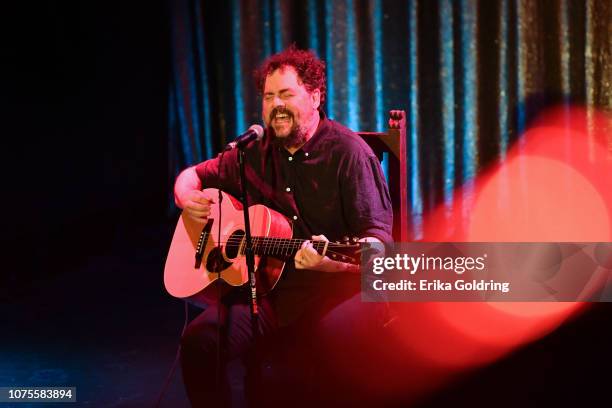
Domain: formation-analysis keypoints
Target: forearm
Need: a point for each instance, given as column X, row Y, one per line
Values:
column 187, row 181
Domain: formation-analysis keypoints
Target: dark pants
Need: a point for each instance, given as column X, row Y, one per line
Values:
column 329, row 339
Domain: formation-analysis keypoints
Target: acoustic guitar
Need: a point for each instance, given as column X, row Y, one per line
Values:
column 203, row 256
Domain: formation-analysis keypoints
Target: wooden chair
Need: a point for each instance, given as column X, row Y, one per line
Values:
column 392, row 144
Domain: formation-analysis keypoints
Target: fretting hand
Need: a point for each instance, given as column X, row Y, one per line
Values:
column 308, row 258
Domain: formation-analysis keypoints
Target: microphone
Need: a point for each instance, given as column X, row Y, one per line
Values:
column 255, row 132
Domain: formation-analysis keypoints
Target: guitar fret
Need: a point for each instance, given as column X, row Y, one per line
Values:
column 260, row 247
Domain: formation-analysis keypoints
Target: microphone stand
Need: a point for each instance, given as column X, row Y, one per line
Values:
column 250, row 256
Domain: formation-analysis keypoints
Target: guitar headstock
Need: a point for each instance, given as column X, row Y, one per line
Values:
column 351, row 250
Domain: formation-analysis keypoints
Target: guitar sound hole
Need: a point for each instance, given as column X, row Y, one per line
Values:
column 215, row 261
column 233, row 244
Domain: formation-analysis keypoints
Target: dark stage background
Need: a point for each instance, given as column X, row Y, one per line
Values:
column 104, row 102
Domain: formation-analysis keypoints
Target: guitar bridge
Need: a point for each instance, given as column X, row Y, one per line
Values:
column 202, row 242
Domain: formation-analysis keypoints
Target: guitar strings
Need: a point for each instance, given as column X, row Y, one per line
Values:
column 283, row 242
column 280, row 245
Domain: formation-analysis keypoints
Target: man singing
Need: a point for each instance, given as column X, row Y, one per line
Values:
column 329, row 184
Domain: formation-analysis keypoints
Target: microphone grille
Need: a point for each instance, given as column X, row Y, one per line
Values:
column 258, row 131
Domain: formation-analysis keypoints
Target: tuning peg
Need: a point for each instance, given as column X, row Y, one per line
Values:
column 344, row 258
column 345, row 239
column 355, row 240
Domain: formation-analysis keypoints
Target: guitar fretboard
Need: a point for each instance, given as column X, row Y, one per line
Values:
column 282, row 246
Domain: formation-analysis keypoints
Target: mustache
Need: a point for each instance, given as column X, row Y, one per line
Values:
column 280, row 109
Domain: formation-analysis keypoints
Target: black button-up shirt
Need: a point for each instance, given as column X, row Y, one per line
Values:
column 333, row 186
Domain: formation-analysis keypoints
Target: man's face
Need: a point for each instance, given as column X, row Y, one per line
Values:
column 287, row 106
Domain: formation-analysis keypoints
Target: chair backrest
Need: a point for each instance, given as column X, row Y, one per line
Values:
column 393, row 143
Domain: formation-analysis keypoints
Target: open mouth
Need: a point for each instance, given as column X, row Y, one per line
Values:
column 281, row 117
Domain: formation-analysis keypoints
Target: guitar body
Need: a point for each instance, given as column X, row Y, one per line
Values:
column 222, row 265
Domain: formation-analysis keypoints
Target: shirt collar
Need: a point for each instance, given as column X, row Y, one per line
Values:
column 311, row 146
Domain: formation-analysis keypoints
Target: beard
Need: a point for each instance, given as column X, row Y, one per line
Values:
column 297, row 134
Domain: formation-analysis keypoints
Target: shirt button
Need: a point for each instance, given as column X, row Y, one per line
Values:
column 306, row 154
column 288, row 189
column 290, row 158
column 295, row 217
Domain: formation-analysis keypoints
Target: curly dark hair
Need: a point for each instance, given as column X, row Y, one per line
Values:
column 310, row 69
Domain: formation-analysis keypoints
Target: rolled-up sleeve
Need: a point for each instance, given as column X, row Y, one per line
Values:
column 220, row 172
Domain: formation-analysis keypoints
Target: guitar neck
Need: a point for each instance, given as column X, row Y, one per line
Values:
column 287, row 248
column 282, row 247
